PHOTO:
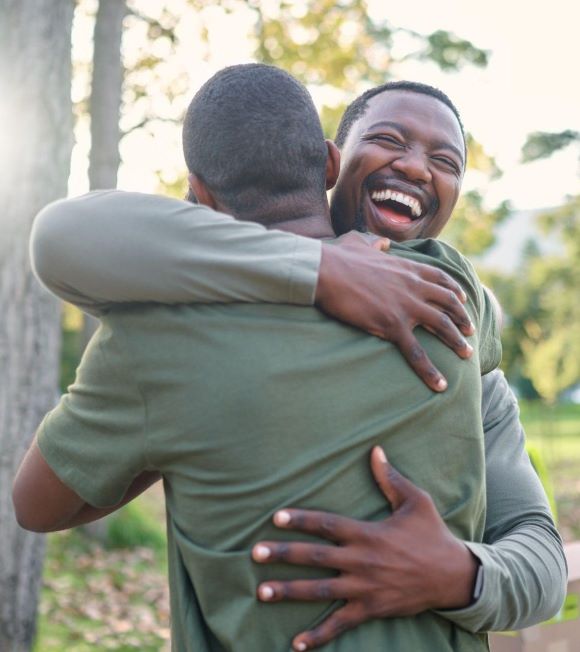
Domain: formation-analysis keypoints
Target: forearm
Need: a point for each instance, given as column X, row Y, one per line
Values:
column 87, row 513
column 522, row 554
column 524, row 580
column 110, row 247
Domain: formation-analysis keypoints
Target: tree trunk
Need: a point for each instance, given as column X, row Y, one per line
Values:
column 105, row 105
column 35, row 112
column 105, row 109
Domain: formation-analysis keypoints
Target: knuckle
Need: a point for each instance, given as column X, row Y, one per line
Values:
column 339, row 625
column 282, row 551
column 368, row 531
column 423, row 498
column 298, row 519
column 318, row 555
column 452, row 299
column 283, row 591
column 328, row 524
column 324, row 590
column 416, row 353
column 445, row 321
column 443, row 279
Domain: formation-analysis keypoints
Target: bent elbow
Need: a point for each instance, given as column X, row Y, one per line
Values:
column 24, row 518
column 47, row 240
column 26, row 511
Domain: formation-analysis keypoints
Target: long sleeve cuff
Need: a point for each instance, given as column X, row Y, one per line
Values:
column 520, row 587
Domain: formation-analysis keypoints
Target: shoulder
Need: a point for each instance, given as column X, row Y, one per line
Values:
column 498, row 402
column 438, row 253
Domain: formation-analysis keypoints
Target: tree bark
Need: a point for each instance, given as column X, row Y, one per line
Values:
column 105, row 104
column 105, row 109
column 36, row 115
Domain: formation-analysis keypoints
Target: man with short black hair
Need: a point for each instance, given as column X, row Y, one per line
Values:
column 245, row 408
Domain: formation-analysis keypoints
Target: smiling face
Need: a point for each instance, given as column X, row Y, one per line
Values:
column 402, row 168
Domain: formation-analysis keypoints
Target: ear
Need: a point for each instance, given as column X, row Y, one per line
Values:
column 332, row 164
column 201, row 191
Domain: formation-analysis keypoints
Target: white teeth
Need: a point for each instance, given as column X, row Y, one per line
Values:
column 411, row 202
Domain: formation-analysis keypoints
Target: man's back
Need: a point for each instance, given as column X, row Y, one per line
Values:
column 247, row 409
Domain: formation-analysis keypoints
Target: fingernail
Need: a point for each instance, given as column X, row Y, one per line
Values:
column 300, row 647
column 381, row 454
column 282, row 518
column 266, row 592
column 441, row 384
column 261, row 552
column 469, row 348
column 463, row 296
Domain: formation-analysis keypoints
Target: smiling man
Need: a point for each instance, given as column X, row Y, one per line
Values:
column 403, row 159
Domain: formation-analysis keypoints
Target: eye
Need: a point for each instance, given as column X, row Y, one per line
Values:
column 447, row 162
column 392, row 140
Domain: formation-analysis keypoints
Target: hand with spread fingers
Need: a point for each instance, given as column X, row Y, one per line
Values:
column 385, row 568
column 389, row 297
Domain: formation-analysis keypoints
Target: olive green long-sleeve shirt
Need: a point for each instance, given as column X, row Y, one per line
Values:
column 112, row 247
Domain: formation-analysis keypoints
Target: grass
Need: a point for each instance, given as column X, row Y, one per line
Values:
column 555, row 430
column 107, row 598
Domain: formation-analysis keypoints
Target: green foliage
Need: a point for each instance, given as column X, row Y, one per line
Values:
column 478, row 159
column 541, row 469
column 340, row 44
column 450, row 52
column 541, row 338
column 553, row 357
column 471, row 229
column 541, row 144
column 325, row 42
column 133, row 526
column 175, row 187
column 542, row 334
column 330, row 117
column 71, row 325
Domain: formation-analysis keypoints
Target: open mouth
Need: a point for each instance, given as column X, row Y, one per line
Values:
column 397, row 206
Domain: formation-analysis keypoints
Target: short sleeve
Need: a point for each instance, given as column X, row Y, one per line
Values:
column 94, row 439
column 480, row 305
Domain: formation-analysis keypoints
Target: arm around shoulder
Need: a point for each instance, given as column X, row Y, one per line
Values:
column 109, row 247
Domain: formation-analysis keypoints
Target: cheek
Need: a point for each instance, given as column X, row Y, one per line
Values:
column 449, row 192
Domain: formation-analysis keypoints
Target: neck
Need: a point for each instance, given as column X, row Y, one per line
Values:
column 310, row 221
column 314, row 226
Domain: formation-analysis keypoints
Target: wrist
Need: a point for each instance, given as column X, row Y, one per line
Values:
column 326, row 274
column 459, row 584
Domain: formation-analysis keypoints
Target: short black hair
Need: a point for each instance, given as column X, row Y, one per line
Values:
column 357, row 108
column 252, row 135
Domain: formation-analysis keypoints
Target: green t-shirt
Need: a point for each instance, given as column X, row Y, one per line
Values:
column 246, row 409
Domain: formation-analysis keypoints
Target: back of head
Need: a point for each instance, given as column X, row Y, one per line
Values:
column 253, row 136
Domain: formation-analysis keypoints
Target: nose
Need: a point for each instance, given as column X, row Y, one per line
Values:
column 413, row 165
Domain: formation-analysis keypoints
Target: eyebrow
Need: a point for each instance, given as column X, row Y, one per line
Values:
column 407, row 134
